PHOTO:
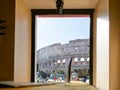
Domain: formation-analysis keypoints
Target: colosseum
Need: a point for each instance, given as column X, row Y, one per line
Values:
column 55, row 56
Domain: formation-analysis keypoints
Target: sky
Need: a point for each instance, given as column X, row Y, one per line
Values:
column 60, row 30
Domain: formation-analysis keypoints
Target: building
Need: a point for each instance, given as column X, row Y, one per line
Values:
column 56, row 55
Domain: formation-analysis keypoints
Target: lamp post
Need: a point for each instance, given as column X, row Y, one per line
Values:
column 59, row 6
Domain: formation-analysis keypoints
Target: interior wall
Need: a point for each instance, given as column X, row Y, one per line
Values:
column 7, row 13
column 102, row 44
column 22, row 70
column 114, row 45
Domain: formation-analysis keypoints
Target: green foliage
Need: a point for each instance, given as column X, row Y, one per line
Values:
column 44, row 74
column 60, row 72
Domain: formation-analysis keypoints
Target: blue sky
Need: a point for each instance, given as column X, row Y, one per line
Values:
column 60, row 30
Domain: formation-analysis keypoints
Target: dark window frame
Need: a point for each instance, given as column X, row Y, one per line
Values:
column 35, row 12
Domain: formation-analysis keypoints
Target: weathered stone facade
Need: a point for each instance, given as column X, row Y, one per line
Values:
column 55, row 56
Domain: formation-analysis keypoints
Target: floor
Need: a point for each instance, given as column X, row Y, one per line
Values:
column 67, row 86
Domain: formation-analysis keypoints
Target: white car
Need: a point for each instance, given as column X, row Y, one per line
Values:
column 88, row 81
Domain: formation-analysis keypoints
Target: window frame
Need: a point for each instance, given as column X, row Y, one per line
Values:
column 35, row 12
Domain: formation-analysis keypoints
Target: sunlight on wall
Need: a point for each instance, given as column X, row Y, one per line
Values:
column 22, row 53
column 102, row 54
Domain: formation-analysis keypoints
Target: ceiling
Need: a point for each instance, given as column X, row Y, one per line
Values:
column 68, row 4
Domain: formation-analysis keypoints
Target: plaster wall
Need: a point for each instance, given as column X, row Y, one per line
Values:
column 22, row 58
column 7, row 13
column 114, row 45
column 102, row 44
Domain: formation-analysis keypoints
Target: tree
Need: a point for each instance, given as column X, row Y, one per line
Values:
column 44, row 74
column 60, row 72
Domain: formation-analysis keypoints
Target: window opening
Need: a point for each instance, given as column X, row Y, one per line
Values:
column 57, row 39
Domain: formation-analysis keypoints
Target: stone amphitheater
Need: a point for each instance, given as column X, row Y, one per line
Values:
column 55, row 56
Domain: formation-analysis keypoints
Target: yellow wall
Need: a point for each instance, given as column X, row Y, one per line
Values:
column 102, row 44
column 22, row 57
column 114, row 45
column 15, row 45
column 108, row 45
column 7, row 12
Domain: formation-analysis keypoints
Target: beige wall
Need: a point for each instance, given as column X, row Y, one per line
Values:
column 7, row 12
column 114, row 45
column 22, row 65
column 108, row 25
column 102, row 44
